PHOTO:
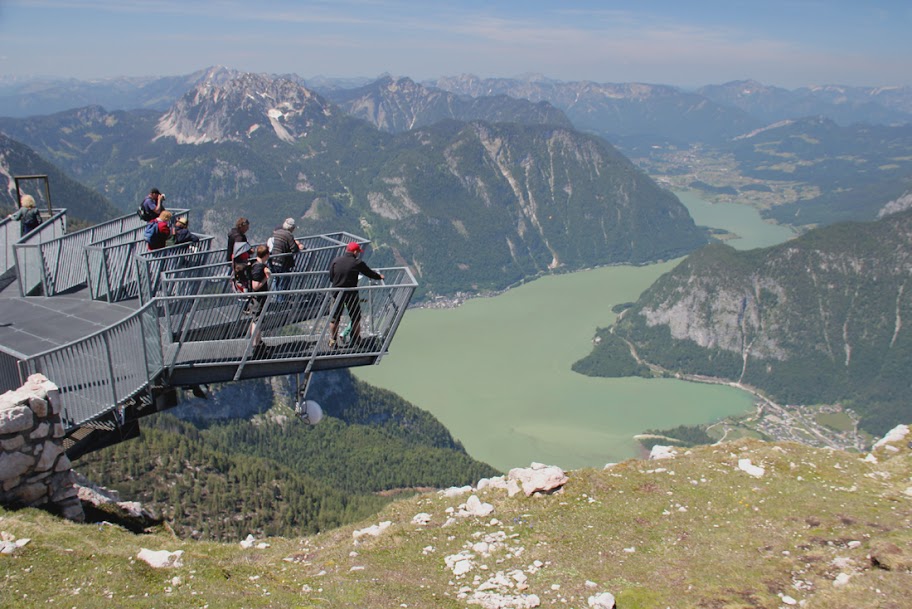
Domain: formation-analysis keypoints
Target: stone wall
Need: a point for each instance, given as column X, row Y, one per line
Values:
column 34, row 470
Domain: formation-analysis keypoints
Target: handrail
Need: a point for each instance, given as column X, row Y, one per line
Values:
column 151, row 264
column 97, row 373
column 63, row 259
column 200, row 323
column 10, row 233
column 111, row 271
column 30, row 265
column 318, row 253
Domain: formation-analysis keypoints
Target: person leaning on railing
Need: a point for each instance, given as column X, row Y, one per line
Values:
column 28, row 215
column 159, row 238
column 236, row 235
column 343, row 273
column 181, row 233
column 283, row 249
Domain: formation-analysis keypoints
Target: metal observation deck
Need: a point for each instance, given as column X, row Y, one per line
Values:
column 119, row 328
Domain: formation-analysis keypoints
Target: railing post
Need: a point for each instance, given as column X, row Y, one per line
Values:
column 397, row 318
column 113, row 381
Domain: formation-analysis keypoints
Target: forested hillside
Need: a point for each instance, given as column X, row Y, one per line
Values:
column 83, row 205
column 250, row 466
column 820, row 319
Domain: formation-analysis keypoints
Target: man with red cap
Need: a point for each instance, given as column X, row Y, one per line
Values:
column 343, row 273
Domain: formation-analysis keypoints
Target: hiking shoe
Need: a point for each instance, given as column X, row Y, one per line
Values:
column 332, row 343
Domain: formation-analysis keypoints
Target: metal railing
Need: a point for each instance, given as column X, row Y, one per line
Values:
column 30, row 263
column 110, row 263
column 210, row 324
column 9, row 369
column 151, row 266
column 98, row 372
column 318, row 253
column 9, row 235
column 63, row 258
column 201, row 322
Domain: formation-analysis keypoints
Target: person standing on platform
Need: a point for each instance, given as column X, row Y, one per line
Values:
column 343, row 273
column 236, row 235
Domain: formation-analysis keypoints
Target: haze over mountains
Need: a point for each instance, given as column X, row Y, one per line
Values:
column 664, row 128
column 468, row 205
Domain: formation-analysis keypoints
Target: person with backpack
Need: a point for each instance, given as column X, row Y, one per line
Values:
column 28, row 215
column 157, row 231
column 152, row 206
column 253, row 278
column 237, row 235
column 283, row 249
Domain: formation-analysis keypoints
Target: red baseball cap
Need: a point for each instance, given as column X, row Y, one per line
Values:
column 353, row 247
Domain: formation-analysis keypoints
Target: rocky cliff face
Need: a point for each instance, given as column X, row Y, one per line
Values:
column 237, row 109
column 823, row 317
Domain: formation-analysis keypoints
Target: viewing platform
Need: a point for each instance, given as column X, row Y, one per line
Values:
column 119, row 329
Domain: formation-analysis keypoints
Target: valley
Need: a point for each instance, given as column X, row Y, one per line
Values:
column 679, row 169
column 507, row 392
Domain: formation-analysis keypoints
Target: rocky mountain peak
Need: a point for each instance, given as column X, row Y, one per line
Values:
column 241, row 108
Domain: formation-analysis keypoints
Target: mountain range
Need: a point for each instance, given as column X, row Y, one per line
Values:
column 855, row 170
column 468, row 205
column 397, row 105
column 659, row 126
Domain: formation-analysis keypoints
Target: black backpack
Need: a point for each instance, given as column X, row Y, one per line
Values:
column 145, row 214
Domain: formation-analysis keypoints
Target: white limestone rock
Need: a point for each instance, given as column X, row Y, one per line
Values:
column 897, row 434
column 421, row 519
column 499, row 482
column 161, row 559
column 455, row 491
column 604, row 600
column 538, row 478
column 475, row 507
column 462, row 567
column 371, row 531
column 662, row 452
column 747, row 467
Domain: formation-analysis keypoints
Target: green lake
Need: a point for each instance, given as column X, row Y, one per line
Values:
column 496, row 371
column 742, row 220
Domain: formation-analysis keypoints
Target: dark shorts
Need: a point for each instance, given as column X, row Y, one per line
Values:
column 350, row 300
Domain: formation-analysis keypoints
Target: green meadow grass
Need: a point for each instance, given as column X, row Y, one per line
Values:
column 694, row 531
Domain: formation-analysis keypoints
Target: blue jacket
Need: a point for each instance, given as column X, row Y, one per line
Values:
column 149, row 205
column 182, row 235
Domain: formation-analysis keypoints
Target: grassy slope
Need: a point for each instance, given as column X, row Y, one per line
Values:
column 695, row 531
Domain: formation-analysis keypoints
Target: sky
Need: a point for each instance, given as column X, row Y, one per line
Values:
column 686, row 43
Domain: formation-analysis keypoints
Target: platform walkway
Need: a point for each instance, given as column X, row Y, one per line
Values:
column 134, row 326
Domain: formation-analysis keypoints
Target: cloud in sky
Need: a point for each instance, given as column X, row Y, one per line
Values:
column 786, row 42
